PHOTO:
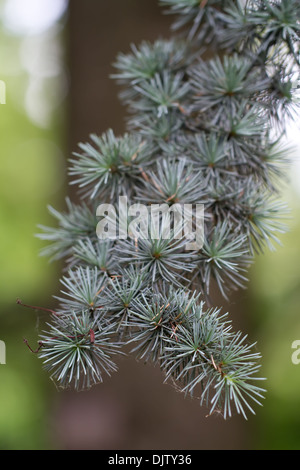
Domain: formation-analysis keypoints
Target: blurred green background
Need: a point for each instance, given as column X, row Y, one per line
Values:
column 55, row 60
column 32, row 175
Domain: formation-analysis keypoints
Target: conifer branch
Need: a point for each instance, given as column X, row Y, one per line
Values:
column 198, row 132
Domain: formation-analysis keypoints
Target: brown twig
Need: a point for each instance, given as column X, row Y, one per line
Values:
column 33, row 307
column 34, row 351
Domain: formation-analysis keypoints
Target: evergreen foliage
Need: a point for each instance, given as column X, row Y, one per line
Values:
column 202, row 108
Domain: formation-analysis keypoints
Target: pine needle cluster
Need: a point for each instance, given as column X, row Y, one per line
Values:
column 202, row 106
